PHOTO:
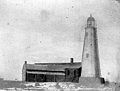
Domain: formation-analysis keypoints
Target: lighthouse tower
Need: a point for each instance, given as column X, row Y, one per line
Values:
column 90, row 55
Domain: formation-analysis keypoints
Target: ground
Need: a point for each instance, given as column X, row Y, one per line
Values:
column 54, row 86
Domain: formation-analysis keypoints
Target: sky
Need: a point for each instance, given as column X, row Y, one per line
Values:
column 53, row 31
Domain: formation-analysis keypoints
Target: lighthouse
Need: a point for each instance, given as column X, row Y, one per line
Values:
column 90, row 56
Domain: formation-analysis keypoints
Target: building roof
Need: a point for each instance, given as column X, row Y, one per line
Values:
column 52, row 66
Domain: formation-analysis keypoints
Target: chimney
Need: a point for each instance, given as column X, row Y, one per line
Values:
column 71, row 60
column 25, row 62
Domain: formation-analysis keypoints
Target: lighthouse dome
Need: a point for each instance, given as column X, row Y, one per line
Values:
column 90, row 21
column 90, row 18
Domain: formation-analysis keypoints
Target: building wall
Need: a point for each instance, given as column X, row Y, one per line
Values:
column 44, row 78
column 24, row 73
column 55, row 78
column 71, row 75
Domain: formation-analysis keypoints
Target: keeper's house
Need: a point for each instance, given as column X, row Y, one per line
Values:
column 51, row 72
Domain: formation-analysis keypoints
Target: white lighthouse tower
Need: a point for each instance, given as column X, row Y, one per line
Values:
column 90, row 55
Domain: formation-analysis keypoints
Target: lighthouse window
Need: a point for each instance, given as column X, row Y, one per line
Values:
column 87, row 55
column 86, row 34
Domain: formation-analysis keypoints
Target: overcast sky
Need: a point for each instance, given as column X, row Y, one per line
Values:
column 53, row 31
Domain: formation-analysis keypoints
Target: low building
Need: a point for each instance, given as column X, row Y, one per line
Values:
column 51, row 72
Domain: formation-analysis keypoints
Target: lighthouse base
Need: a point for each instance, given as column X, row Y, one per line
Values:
column 91, row 81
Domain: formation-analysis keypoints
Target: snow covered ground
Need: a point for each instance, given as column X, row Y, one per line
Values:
column 53, row 86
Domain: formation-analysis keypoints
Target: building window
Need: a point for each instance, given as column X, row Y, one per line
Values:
column 75, row 73
column 68, row 72
column 87, row 55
